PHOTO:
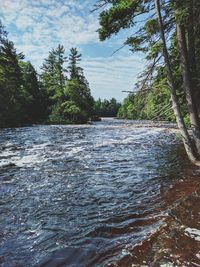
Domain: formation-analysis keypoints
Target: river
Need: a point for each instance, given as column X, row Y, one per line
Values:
column 104, row 194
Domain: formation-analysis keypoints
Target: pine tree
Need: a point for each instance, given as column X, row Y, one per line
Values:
column 21, row 98
column 10, row 82
column 77, row 90
column 54, row 73
column 32, row 97
column 53, row 79
column 75, row 71
column 172, row 18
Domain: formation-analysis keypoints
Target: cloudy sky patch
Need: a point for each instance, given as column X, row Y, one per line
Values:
column 37, row 26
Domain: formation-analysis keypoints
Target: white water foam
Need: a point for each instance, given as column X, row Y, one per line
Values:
column 193, row 233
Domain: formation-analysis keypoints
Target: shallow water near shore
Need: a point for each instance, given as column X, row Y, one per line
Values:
column 114, row 193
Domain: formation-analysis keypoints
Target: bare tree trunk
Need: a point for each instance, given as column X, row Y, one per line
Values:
column 187, row 81
column 188, row 144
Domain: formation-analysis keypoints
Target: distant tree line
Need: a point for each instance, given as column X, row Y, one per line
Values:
column 106, row 108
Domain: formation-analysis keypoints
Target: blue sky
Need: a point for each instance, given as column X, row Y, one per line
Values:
column 37, row 26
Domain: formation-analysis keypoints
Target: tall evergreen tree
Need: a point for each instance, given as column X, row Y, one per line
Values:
column 22, row 99
column 75, row 70
column 53, row 79
column 77, row 89
column 32, row 96
column 10, row 82
column 53, row 74
column 171, row 18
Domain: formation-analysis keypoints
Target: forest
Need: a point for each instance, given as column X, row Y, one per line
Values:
column 152, row 97
column 168, row 33
column 78, row 189
column 59, row 94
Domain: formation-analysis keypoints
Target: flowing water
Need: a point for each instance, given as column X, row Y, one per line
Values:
column 86, row 195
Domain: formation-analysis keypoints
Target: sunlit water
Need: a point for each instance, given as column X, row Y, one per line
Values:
column 83, row 195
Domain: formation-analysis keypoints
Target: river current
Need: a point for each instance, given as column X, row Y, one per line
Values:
column 85, row 195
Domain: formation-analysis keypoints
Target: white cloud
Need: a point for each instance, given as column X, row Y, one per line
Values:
column 37, row 26
column 108, row 77
column 50, row 22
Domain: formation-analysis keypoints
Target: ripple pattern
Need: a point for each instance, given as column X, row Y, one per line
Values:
column 83, row 195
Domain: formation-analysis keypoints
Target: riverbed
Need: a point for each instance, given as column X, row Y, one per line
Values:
column 106, row 194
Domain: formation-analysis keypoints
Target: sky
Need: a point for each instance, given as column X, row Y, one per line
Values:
column 38, row 26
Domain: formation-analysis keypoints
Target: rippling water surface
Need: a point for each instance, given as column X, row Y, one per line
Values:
column 83, row 195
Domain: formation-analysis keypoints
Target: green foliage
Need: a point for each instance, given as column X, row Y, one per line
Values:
column 21, row 98
column 53, row 74
column 78, row 108
column 119, row 16
column 10, row 82
column 32, row 96
column 73, row 112
column 151, row 27
column 133, row 107
column 153, row 100
column 74, row 58
column 106, row 108
column 70, row 100
column 123, row 14
column 25, row 99
column 155, row 103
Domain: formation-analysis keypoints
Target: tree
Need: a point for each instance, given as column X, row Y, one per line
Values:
column 177, row 111
column 32, row 96
column 53, row 79
column 53, row 74
column 187, row 66
column 22, row 99
column 151, row 38
column 10, row 82
column 70, row 100
column 75, row 71
column 106, row 108
column 77, row 91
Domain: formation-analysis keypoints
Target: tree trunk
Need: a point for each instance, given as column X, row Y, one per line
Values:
column 191, row 40
column 188, row 144
column 193, row 31
column 187, row 81
column 192, row 45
